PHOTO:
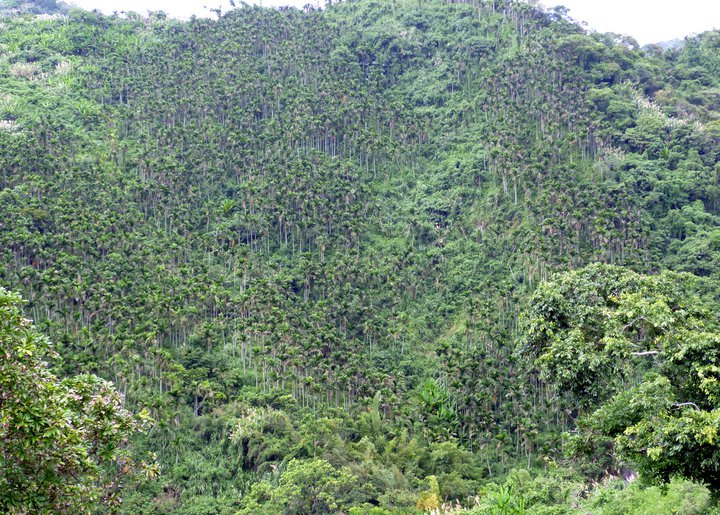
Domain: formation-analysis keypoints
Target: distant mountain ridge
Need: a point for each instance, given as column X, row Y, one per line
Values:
column 9, row 7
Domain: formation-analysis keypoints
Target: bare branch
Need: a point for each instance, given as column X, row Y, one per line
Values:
column 681, row 404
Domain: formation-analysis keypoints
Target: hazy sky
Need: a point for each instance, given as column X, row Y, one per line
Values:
column 648, row 21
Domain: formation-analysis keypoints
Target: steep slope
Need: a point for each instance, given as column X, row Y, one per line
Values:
column 250, row 223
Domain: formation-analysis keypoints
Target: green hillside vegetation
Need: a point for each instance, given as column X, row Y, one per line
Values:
column 383, row 257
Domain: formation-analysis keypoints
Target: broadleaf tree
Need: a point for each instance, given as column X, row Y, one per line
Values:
column 63, row 442
column 635, row 358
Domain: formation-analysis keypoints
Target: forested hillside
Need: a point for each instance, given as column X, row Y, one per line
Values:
column 375, row 258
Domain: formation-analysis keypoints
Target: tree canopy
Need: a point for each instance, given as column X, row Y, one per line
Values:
column 639, row 355
column 63, row 442
column 318, row 237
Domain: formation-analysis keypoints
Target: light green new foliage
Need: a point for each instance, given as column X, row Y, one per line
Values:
column 637, row 356
column 309, row 486
column 679, row 498
column 63, row 443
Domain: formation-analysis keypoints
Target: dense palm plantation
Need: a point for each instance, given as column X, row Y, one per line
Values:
column 321, row 249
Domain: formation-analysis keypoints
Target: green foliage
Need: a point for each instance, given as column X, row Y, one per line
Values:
column 596, row 348
column 305, row 487
column 309, row 234
column 64, row 442
column 618, row 498
column 594, row 328
column 523, row 492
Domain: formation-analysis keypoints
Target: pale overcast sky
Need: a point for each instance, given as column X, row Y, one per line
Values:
column 648, row 21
